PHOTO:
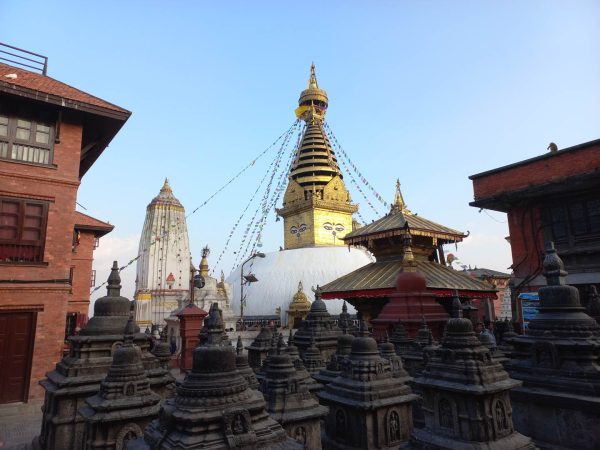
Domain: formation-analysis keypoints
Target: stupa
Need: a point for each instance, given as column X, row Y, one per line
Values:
column 258, row 350
column 125, row 403
column 79, row 374
column 320, row 326
column 298, row 308
column 314, row 386
column 335, row 364
column 289, row 401
column 465, row 392
column 387, row 351
column 367, row 407
column 558, row 362
column 317, row 213
column 163, row 268
column 214, row 407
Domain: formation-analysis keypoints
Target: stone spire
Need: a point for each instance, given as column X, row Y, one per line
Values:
column 241, row 363
column 402, row 342
column 408, row 258
column 214, row 407
column 313, row 385
column 318, row 325
column 125, row 403
column 335, row 364
column 593, row 306
column 258, row 350
column 465, row 392
column 367, row 407
column 204, row 261
column 312, row 358
column 388, row 352
column 557, row 360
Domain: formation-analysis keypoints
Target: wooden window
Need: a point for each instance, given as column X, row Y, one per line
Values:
column 22, row 230
column 93, row 281
column 24, row 139
column 573, row 221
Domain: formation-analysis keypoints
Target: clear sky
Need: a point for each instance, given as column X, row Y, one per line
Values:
column 426, row 91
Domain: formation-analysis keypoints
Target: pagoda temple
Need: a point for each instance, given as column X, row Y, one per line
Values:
column 403, row 241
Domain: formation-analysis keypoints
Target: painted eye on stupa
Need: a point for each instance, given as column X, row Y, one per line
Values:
column 294, row 230
column 328, row 226
column 302, row 228
column 339, row 227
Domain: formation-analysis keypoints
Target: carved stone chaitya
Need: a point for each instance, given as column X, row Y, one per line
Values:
column 312, row 358
column 125, row 403
column 289, row 402
column 334, row 366
column 313, row 385
column 558, row 361
column 368, row 409
column 214, row 407
column 387, row 351
column 465, row 392
column 241, row 363
column 402, row 342
column 258, row 350
column 79, row 374
column 318, row 325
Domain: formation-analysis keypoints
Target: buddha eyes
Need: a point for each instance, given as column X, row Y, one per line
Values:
column 299, row 229
column 337, row 227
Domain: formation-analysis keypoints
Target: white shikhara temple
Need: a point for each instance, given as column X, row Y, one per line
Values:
column 163, row 268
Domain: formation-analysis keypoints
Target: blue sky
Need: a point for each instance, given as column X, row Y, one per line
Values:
column 425, row 91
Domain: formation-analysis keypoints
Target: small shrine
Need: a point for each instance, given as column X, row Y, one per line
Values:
column 258, row 350
column 289, row 401
column 558, row 404
column 335, row 364
column 320, row 326
column 125, row 403
column 79, row 374
column 466, row 399
column 298, row 309
column 214, row 407
column 314, row 386
column 401, row 340
column 402, row 241
column 191, row 320
column 367, row 407
column 387, row 351
column 312, row 358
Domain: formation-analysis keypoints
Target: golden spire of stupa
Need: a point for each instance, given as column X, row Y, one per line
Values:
column 399, row 204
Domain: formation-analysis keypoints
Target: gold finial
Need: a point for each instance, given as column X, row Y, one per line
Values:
column 300, row 288
column 204, row 261
column 312, row 81
column 166, row 187
column 408, row 258
column 399, row 205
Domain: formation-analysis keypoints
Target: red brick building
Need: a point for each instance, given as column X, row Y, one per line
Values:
column 50, row 135
column 555, row 196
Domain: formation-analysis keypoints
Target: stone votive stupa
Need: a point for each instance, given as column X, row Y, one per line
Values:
column 125, row 403
column 557, row 360
column 79, row 374
column 313, row 385
column 466, row 399
column 334, row 366
column 318, row 325
column 258, row 350
column 368, row 409
column 214, row 407
column 289, row 401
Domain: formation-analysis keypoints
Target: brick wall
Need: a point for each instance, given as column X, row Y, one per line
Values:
column 82, row 258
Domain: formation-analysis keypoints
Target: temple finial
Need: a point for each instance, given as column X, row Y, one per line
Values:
column 554, row 269
column 399, row 204
column 408, row 258
column 457, row 311
column 114, row 281
column 312, row 81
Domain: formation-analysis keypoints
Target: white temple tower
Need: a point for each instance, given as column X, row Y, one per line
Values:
column 163, row 268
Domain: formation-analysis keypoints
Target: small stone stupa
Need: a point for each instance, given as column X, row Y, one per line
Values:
column 289, row 402
column 79, row 374
column 367, row 407
column 312, row 358
column 318, row 325
column 465, row 392
column 125, row 403
column 387, row 351
column 313, row 385
column 258, row 350
column 558, row 362
column 335, row 364
column 214, row 407
column 402, row 342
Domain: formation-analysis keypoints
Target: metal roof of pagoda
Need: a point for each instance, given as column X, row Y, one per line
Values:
column 378, row 279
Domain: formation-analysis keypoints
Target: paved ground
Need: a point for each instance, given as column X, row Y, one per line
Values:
column 19, row 424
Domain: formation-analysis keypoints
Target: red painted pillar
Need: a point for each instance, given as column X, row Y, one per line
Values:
column 191, row 321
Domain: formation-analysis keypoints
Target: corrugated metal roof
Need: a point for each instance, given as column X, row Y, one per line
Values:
column 397, row 221
column 382, row 275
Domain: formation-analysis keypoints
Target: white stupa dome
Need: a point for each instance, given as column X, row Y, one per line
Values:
column 278, row 274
